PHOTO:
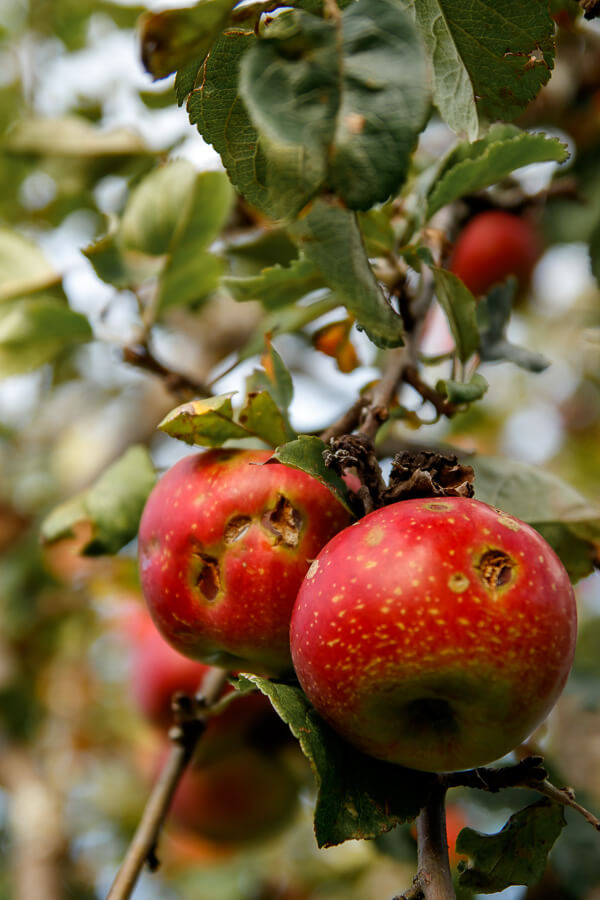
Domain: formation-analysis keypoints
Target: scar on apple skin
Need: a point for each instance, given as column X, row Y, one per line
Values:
column 495, row 568
column 208, row 579
column 236, row 528
column 284, row 521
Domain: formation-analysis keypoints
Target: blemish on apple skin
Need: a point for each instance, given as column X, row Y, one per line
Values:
column 508, row 522
column 458, row 582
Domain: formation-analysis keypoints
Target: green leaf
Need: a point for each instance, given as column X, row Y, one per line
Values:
column 384, row 104
column 568, row 522
column 218, row 111
column 277, row 285
column 262, row 417
column 208, row 423
column 459, row 304
column 489, row 59
column 459, row 392
column 493, row 315
column 471, row 167
column 306, row 453
column 276, row 380
column 35, row 330
column 376, row 229
column 355, row 100
column 157, row 207
column 516, row 855
column 330, row 237
column 113, row 505
column 175, row 212
column 120, row 267
column 23, row 267
column 174, row 37
column 358, row 796
column 73, row 136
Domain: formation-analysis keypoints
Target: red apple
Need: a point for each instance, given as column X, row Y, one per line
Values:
column 492, row 246
column 436, row 634
column 224, row 544
column 244, row 796
column 158, row 672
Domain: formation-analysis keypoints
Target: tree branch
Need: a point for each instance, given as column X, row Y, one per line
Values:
column 142, row 357
column 433, row 880
column 185, row 736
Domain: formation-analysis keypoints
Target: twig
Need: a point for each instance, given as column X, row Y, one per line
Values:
column 347, row 422
column 383, row 392
column 566, row 796
column 433, row 880
column 529, row 773
column 142, row 357
column 185, row 737
column 411, row 376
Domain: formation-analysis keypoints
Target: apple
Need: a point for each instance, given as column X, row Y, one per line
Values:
column 244, row 796
column 157, row 672
column 494, row 245
column 435, row 633
column 224, row 544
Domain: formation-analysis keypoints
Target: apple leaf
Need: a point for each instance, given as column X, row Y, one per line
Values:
column 489, row 60
column 208, row 422
column 459, row 304
column 329, row 236
column 23, row 267
column 516, row 855
column 358, row 797
column 565, row 519
column 275, row 378
column 171, row 38
column 493, row 315
column 277, row 285
column 73, row 136
column 113, row 505
column 37, row 329
column 262, row 417
column 221, row 117
column 463, row 392
column 306, row 453
column 353, row 94
column 471, row 167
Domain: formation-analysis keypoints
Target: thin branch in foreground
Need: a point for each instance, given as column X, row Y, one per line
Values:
column 142, row 357
column 433, row 880
column 185, row 736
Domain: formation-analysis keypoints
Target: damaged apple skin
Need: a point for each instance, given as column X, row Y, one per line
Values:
column 436, row 634
column 224, row 544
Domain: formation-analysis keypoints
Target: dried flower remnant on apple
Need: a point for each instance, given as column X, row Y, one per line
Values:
column 435, row 633
column 224, row 544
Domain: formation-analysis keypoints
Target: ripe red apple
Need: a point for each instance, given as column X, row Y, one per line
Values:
column 244, row 796
column 224, row 544
column 158, row 671
column 436, row 634
column 492, row 246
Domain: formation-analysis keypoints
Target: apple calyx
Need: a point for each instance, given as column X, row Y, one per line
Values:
column 417, row 474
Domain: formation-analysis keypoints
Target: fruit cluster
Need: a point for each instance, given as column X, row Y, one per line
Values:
column 432, row 633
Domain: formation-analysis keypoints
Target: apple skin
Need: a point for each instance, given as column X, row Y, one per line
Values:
column 494, row 245
column 436, row 634
column 157, row 672
column 224, row 544
column 244, row 796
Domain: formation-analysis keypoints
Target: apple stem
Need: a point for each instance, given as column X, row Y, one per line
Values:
column 433, row 872
column 185, row 736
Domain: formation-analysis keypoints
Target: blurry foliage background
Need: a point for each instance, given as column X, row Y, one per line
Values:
column 80, row 125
